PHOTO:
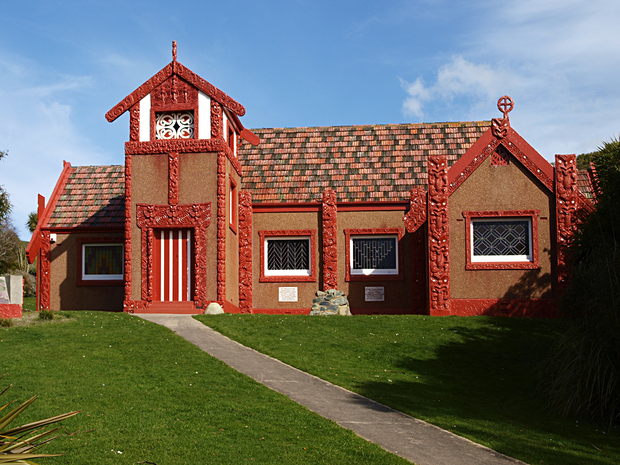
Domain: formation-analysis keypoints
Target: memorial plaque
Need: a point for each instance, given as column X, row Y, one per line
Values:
column 4, row 293
column 288, row 294
column 375, row 294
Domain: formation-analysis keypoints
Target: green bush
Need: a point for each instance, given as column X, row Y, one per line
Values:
column 46, row 315
column 6, row 322
column 583, row 370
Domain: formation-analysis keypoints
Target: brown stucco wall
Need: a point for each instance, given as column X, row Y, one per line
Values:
column 232, row 241
column 64, row 268
column 198, row 184
column 266, row 295
column 496, row 188
column 398, row 294
column 149, row 181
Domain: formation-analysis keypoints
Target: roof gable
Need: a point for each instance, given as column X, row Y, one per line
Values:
column 175, row 68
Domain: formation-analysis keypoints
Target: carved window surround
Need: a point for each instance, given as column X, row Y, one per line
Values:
column 350, row 233
column 196, row 216
column 264, row 235
column 490, row 264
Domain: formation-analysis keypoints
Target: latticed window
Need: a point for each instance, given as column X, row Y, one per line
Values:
column 501, row 239
column 288, row 257
column 374, row 255
column 174, row 125
column 102, row 261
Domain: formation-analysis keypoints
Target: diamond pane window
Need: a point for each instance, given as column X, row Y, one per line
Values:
column 374, row 255
column 502, row 240
column 102, row 261
column 174, row 125
column 288, row 257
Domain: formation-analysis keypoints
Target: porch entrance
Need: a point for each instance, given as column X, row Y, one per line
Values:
column 173, row 265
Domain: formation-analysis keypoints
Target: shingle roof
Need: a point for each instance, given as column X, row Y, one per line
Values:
column 92, row 196
column 362, row 163
column 584, row 184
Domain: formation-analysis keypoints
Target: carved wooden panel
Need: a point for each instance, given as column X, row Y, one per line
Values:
column 174, row 94
column 438, row 236
column 416, row 216
column 134, row 123
column 44, row 300
column 245, row 252
column 128, row 226
column 173, row 178
column 221, row 227
column 196, row 216
column 566, row 205
column 330, row 246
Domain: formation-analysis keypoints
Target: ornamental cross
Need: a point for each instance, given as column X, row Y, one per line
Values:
column 505, row 104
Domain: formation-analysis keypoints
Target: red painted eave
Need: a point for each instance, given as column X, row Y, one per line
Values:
column 177, row 68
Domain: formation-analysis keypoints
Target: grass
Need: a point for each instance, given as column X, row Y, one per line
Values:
column 30, row 304
column 473, row 376
column 148, row 396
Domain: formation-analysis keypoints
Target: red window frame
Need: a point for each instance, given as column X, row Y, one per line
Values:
column 263, row 235
column 348, row 233
column 532, row 264
column 97, row 240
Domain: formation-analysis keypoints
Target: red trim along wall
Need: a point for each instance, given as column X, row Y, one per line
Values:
column 288, row 234
column 233, row 204
column 129, row 305
column 221, row 227
column 523, row 308
column 367, row 232
column 44, row 271
column 439, row 237
column 516, row 214
column 95, row 240
column 283, row 311
column 245, row 252
column 173, row 178
column 10, row 311
column 329, row 236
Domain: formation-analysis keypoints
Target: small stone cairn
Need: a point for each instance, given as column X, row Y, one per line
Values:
column 331, row 302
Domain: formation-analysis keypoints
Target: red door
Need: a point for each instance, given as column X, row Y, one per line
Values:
column 172, row 265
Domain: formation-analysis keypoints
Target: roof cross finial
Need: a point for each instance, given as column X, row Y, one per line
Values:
column 174, row 50
column 505, row 104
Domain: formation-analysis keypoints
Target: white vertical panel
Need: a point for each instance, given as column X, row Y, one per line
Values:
column 161, row 265
column 225, row 125
column 170, row 264
column 145, row 118
column 180, row 241
column 189, row 265
column 204, row 116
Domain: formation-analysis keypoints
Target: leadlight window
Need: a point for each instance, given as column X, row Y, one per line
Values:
column 102, row 262
column 374, row 255
column 501, row 239
column 174, row 125
column 287, row 257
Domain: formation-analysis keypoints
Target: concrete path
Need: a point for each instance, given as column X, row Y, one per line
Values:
column 413, row 439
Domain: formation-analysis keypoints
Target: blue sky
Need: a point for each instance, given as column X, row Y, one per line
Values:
column 63, row 65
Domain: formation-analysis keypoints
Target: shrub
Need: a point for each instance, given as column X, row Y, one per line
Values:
column 46, row 315
column 6, row 322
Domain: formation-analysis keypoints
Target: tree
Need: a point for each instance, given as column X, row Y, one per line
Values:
column 5, row 204
column 33, row 220
column 584, row 367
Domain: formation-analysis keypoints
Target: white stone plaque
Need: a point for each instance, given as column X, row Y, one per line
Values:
column 288, row 294
column 375, row 294
column 4, row 293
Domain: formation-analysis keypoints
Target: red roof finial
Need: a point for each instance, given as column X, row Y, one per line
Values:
column 505, row 104
column 174, row 50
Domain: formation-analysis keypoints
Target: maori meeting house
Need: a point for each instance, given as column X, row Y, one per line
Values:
column 458, row 218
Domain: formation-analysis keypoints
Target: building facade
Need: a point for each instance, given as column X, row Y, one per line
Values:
column 442, row 219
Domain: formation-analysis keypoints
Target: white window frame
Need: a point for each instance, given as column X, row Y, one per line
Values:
column 102, row 277
column 374, row 271
column 304, row 272
column 501, row 258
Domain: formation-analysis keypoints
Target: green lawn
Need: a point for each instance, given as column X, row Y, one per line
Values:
column 148, row 396
column 474, row 376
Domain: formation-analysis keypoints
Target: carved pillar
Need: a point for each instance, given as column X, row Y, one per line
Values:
column 438, row 236
column 566, row 201
column 414, row 219
column 245, row 252
column 330, row 233
column 221, row 228
column 127, row 258
column 134, row 123
column 45, row 270
column 173, row 178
